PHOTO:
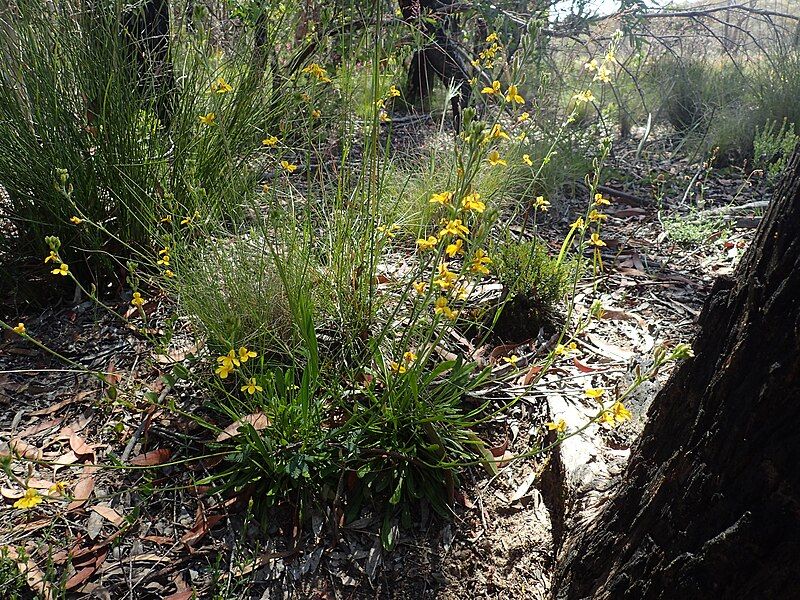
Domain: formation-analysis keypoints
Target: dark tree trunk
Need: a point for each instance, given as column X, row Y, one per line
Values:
column 438, row 58
column 709, row 505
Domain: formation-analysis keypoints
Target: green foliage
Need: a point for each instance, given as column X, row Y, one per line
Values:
column 773, row 146
column 12, row 582
column 691, row 231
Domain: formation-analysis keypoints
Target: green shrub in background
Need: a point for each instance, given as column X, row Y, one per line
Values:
column 135, row 148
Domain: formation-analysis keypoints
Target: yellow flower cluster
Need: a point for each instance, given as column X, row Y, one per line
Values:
column 402, row 367
column 220, row 86
column 228, row 362
column 317, row 71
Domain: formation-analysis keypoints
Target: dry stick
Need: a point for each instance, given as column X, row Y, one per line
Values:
column 721, row 210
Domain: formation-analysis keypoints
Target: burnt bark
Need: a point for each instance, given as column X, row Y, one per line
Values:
column 709, row 505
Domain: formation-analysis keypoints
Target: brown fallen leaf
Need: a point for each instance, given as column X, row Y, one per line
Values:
column 184, row 595
column 152, row 458
column 81, row 576
column 530, row 376
column 79, row 446
column 108, row 514
column 40, row 427
column 58, row 406
column 201, row 527
column 81, row 492
column 258, row 420
column 24, row 450
column 582, row 367
column 11, row 494
column 161, row 540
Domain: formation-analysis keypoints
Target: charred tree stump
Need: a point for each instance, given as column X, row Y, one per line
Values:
column 709, row 505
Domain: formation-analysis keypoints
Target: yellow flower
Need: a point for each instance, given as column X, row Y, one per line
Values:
column 245, row 354
column 220, row 86
column 62, row 270
column 224, row 370
column 53, row 256
column 251, row 387
column 586, row 96
column 19, row 329
column 620, row 412
column 380, row 103
column 479, row 262
column 603, row 74
column 137, row 299
column 491, row 91
column 455, row 248
column 610, row 56
column 318, row 72
column 526, row 158
column 270, row 141
column 578, row 224
column 190, row 218
column 169, row 274
column 164, row 260
column 409, row 357
column 443, row 198
column 167, row 219
column 596, row 216
column 595, row 240
column 497, row 132
column 596, row 393
column 511, row 360
column 559, row 426
column 428, row 244
column 384, row 118
column 441, row 308
column 607, row 417
column 393, row 92
column 473, row 202
column 390, row 232
column 541, row 204
column 512, row 95
column 59, row 488
column 591, row 65
column 31, row 498
column 420, row 287
column 76, row 220
column 561, row 349
column 315, row 114
column 287, row 166
column 446, row 277
column 164, row 250
column 207, row 119
column 454, row 227
column 600, row 201
column 397, row 367
column 229, row 360
column 494, row 158
column 523, row 117
column 492, row 38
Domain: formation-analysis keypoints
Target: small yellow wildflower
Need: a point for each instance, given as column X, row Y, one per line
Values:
column 541, row 204
column 480, row 262
column 446, row 277
column 427, row 244
column 393, row 92
column 163, row 251
column 472, row 202
column 318, row 72
column 603, row 74
column 620, row 412
column 409, row 357
column 76, row 220
column 443, row 198
column 596, row 393
column 511, row 360
column 384, row 117
column 512, row 95
column 441, row 308
column 220, row 86
column 19, row 329
column 230, row 359
column 600, row 201
column 289, row 167
column 578, row 224
column 526, row 158
column 585, row 96
column 397, row 367
column 188, row 220
column 420, row 287
column 245, row 354
column 595, row 240
column 59, row 488
column 315, row 114
column 492, row 38
column 169, row 274
column 224, row 370
column 497, row 132
column 559, row 426
column 390, row 232
column 491, row 91
column 592, row 65
column 454, row 227
column 208, row 119
column 562, row 350
column 167, row 219
column 62, row 270
column 523, row 117
column 164, row 260
column 53, row 256
column 31, row 498
column 455, row 248
column 137, row 299
column 270, row 141
column 251, row 387
column 595, row 216
column 606, row 417
column 494, row 158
